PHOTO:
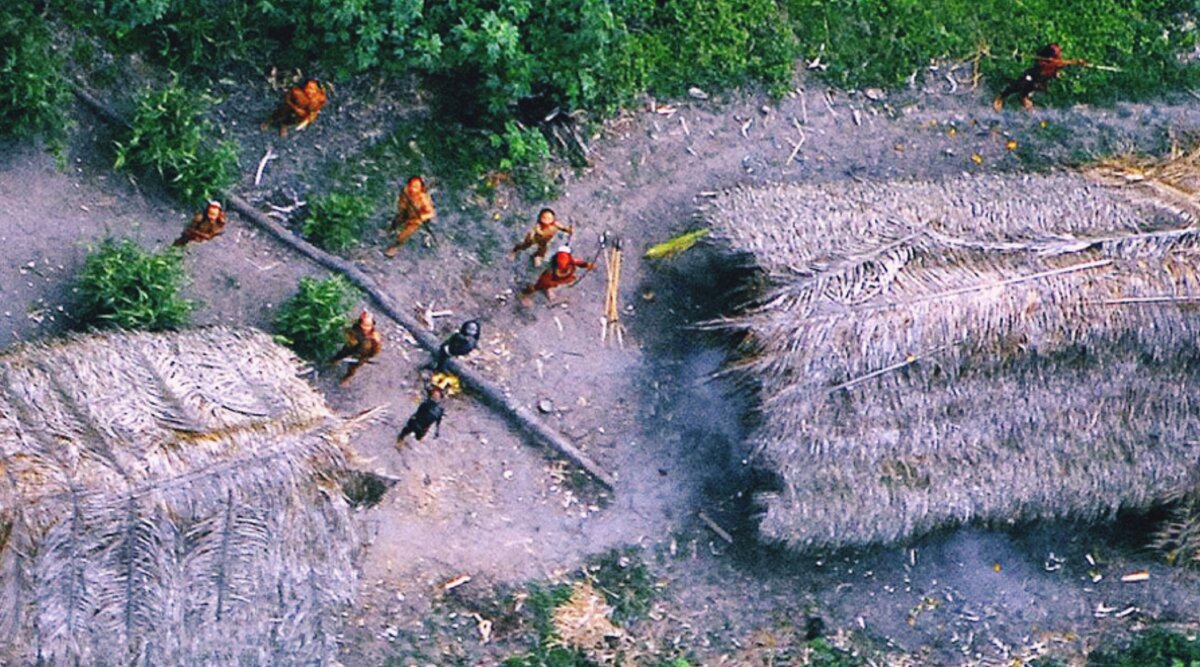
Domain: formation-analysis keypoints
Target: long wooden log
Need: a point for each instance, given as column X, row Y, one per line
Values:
column 491, row 393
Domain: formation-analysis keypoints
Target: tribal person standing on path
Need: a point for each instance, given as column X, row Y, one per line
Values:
column 363, row 342
column 428, row 415
column 1047, row 64
column 414, row 207
column 561, row 273
column 205, row 226
column 543, row 232
column 300, row 107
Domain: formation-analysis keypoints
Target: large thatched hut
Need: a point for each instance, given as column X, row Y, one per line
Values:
column 986, row 348
column 169, row 499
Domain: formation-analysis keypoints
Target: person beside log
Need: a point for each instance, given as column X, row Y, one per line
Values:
column 428, row 415
column 363, row 342
column 543, row 232
column 561, row 273
column 300, row 107
column 414, row 207
column 205, row 226
column 459, row 344
column 1047, row 64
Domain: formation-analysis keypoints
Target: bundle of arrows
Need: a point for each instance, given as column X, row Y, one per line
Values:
column 611, row 323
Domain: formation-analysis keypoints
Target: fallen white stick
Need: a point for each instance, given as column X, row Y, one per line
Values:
column 262, row 164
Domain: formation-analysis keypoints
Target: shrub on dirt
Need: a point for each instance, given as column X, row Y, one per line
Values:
column 33, row 95
column 122, row 285
column 313, row 320
column 335, row 221
column 171, row 135
column 882, row 43
column 1156, row 647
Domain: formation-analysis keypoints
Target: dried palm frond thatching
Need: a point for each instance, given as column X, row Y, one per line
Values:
column 990, row 348
column 169, row 499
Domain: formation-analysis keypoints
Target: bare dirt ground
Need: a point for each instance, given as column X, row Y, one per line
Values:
column 480, row 501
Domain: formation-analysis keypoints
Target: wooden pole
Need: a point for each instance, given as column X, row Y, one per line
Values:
column 491, row 393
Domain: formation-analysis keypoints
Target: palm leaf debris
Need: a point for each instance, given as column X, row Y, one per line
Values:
column 989, row 348
column 674, row 246
column 169, row 499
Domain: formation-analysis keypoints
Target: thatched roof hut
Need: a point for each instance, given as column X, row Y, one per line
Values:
column 169, row 499
column 988, row 348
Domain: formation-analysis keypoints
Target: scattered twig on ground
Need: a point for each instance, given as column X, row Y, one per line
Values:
column 262, row 164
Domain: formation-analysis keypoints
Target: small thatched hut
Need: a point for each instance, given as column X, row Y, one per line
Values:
column 989, row 348
column 169, row 499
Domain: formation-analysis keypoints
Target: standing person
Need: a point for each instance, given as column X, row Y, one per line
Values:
column 429, row 414
column 560, row 273
column 205, row 226
column 363, row 342
column 459, row 344
column 1047, row 64
column 543, row 232
column 414, row 207
column 300, row 107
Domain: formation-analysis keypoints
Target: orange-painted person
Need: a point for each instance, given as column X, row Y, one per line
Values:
column 414, row 207
column 205, row 226
column 543, row 232
column 1046, row 65
column 300, row 107
column 363, row 342
column 560, row 273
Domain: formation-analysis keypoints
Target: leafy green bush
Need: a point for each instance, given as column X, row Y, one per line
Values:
column 335, row 221
column 883, row 42
column 184, row 34
column 171, row 135
column 123, row 286
column 312, row 321
column 1156, row 647
column 33, row 95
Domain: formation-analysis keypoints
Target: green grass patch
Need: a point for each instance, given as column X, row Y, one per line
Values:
column 123, row 286
column 1156, row 648
column 336, row 221
column 619, row 575
column 171, row 136
column 883, row 42
column 33, row 95
column 313, row 320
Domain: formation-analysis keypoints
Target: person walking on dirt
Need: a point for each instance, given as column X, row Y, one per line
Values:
column 205, row 226
column 459, row 344
column 300, row 107
column 543, row 232
column 414, row 207
column 429, row 414
column 363, row 342
column 1047, row 64
column 561, row 273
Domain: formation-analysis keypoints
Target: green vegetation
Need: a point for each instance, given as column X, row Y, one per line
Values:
column 1157, row 648
column 336, row 221
column 33, row 95
column 171, row 135
column 882, row 42
column 123, row 286
column 823, row 654
column 313, row 320
column 624, row 581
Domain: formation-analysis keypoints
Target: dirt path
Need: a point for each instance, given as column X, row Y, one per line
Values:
column 479, row 501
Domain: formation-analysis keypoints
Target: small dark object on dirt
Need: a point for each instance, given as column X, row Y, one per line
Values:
column 814, row 627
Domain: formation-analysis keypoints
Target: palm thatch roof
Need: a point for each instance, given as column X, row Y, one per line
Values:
column 169, row 499
column 989, row 348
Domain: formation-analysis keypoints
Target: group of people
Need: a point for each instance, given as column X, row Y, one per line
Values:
column 414, row 208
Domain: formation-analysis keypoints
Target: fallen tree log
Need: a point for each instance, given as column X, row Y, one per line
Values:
column 491, row 393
